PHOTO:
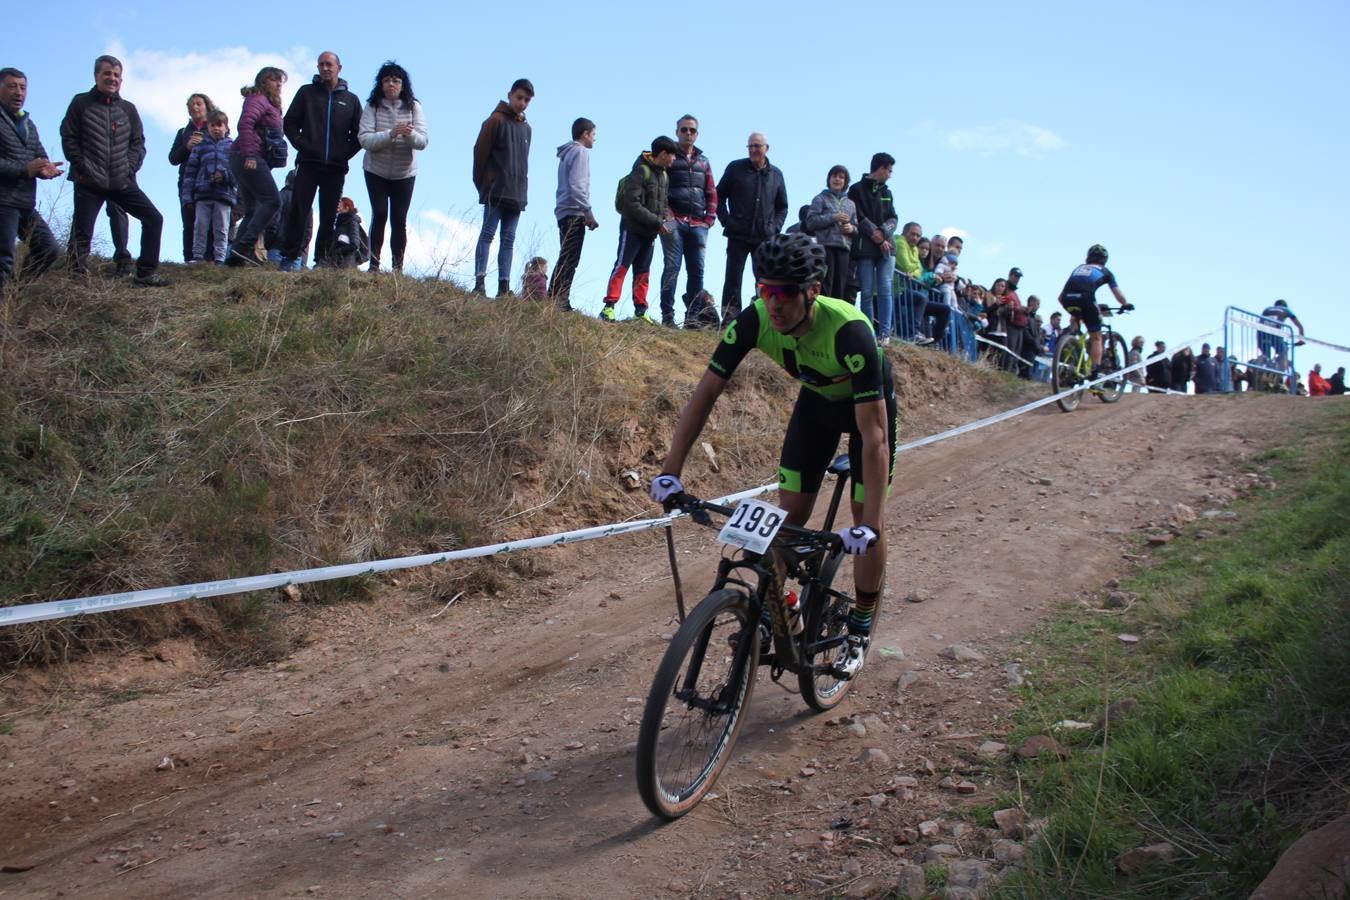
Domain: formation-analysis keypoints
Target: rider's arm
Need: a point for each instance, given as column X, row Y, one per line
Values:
column 871, row 420
column 1295, row 320
column 1120, row 297
column 692, row 420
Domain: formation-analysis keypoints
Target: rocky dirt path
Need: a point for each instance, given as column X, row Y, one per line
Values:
column 488, row 751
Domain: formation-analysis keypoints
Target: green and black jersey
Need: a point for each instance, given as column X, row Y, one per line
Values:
column 838, row 359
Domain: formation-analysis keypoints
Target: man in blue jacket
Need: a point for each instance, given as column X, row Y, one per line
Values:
column 23, row 160
column 321, row 123
column 752, row 206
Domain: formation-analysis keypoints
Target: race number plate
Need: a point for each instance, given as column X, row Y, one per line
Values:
column 753, row 525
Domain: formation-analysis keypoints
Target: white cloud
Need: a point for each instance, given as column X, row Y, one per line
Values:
column 951, row 231
column 159, row 82
column 1007, row 136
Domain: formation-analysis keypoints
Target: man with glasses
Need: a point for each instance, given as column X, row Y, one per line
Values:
column 693, row 207
column 829, row 346
column 752, row 206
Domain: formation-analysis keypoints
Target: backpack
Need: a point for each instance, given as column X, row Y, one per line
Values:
column 623, row 184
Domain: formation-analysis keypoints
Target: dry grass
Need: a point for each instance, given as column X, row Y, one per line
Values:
column 245, row 422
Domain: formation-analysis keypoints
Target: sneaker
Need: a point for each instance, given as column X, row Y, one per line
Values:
column 922, row 340
column 607, row 313
column 851, row 663
column 237, row 259
column 150, row 279
column 765, row 640
column 641, row 315
column 122, row 268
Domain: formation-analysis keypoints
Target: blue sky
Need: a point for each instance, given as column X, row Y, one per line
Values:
column 1204, row 148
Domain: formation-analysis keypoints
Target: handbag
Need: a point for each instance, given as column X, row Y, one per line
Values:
column 275, row 149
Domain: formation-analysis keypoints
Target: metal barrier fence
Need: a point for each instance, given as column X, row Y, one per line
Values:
column 1263, row 345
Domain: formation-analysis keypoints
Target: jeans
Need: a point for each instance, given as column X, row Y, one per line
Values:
column 874, row 277
column 389, row 201
column 211, row 230
column 737, row 251
column 508, row 219
column 571, row 236
column 88, row 201
column 327, row 181
column 26, row 225
column 689, row 242
column 259, row 197
column 189, row 229
column 637, row 252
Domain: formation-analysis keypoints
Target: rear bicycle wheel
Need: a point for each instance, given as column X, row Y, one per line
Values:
column 824, row 639
column 1113, row 360
column 696, row 704
column 1064, row 372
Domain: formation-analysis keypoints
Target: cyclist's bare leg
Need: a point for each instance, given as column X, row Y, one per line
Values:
column 1095, row 348
column 797, row 505
column 870, row 567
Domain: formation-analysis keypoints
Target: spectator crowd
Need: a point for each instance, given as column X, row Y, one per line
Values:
column 911, row 286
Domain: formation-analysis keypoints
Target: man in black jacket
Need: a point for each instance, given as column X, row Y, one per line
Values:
column 23, row 160
column 104, row 144
column 1159, row 377
column 752, row 206
column 322, row 124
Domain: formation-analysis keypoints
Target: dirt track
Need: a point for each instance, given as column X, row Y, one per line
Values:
column 488, row 751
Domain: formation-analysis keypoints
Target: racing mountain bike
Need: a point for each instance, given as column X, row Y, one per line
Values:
column 1072, row 366
column 698, row 699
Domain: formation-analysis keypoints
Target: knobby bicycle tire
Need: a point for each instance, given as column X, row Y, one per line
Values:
column 826, row 621
column 696, row 704
column 1113, row 360
column 1064, row 372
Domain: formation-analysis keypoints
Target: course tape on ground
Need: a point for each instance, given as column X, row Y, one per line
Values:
column 60, row 609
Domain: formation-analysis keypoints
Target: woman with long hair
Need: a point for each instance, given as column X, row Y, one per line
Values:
column 392, row 128
column 248, row 162
column 199, row 107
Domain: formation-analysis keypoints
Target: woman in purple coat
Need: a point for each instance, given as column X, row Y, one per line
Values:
column 248, row 162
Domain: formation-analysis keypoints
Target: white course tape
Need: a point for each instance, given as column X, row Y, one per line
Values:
column 979, row 338
column 60, row 609
column 1326, row 344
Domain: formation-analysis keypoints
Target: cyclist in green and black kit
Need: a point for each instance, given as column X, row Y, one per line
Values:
column 829, row 346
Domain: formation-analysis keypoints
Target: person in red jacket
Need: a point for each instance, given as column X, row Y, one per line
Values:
column 1317, row 385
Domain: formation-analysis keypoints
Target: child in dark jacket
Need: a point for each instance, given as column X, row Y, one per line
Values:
column 209, row 184
column 351, row 246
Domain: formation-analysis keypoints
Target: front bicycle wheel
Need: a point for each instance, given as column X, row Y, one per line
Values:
column 825, row 638
column 696, row 704
column 1064, row 373
column 1113, row 360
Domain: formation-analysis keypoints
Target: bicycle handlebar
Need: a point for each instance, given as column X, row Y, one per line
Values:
column 698, row 510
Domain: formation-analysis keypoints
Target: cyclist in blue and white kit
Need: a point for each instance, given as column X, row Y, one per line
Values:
column 1079, row 299
column 1271, row 344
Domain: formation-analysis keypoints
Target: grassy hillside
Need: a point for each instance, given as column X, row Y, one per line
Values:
column 246, row 422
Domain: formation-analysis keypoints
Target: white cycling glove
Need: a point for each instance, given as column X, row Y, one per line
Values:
column 665, row 485
column 858, row 540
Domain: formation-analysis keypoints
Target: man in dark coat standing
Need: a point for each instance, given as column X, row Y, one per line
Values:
column 501, row 173
column 104, row 143
column 23, row 160
column 752, row 206
column 321, row 123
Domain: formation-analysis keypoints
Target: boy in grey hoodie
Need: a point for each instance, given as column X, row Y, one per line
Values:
column 573, row 208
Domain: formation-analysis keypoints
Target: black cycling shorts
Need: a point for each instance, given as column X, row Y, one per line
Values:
column 813, row 435
column 1088, row 313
